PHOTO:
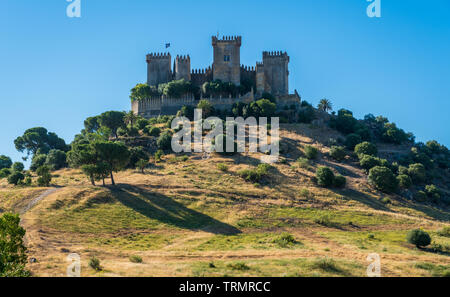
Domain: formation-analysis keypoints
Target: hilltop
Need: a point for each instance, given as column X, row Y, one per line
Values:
column 188, row 216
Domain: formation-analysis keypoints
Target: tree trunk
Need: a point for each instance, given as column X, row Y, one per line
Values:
column 92, row 180
column 104, row 182
column 112, row 179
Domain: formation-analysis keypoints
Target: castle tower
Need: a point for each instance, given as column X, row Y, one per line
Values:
column 227, row 59
column 276, row 73
column 158, row 68
column 183, row 68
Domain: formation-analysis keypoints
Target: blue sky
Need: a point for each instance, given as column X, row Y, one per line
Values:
column 56, row 71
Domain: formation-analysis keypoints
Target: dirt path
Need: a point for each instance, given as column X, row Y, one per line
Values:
column 37, row 199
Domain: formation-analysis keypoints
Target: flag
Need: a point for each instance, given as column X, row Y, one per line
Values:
column 167, row 45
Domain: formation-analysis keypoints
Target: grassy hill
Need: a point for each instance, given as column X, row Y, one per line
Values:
column 186, row 217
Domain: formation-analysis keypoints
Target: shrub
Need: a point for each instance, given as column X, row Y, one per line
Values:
column 5, row 172
column 303, row 163
column 417, row 173
column 164, row 141
column 402, row 170
column 255, row 175
column 121, row 131
column 45, row 177
column 136, row 259
column 285, row 240
column 238, row 266
column 311, row 152
column 154, row 131
column 141, row 124
column 141, row 165
column 345, row 122
column 383, row 179
column 386, row 200
column 158, row 155
column 305, row 193
column 15, row 178
column 325, row 177
column 136, row 153
column 94, row 263
column 433, row 192
column 18, row 166
column 445, row 232
column 306, row 114
column 352, row 140
column 338, row 153
column 366, row 148
column 420, row 196
column 419, row 238
column 404, row 181
column 339, row 181
column 326, row 264
column 222, row 167
column 368, row 162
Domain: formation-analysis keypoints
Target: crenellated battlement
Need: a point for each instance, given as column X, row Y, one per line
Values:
column 183, row 59
column 158, row 56
column 227, row 39
column 275, row 54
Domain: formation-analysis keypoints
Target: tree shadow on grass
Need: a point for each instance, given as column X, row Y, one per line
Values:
column 350, row 194
column 166, row 210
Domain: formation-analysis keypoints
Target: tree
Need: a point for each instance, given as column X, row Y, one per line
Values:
column 383, row 179
column 12, row 249
column 115, row 156
column 306, row 114
column 37, row 161
column 130, row 118
column 83, row 155
column 417, row 172
column 18, row 166
column 91, row 124
column 141, row 165
column 143, row 91
column 325, row 105
column 39, row 138
column 56, row 159
column 338, row 153
column 112, row 120
column 164, row 141
column 5, row 162
column 45, row 177
column 419, row 238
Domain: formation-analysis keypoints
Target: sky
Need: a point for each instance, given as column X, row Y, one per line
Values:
column 55, row 71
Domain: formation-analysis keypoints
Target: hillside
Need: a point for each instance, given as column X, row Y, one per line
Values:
column 185, row 217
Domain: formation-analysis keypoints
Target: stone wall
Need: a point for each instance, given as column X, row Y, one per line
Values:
column 159, row 68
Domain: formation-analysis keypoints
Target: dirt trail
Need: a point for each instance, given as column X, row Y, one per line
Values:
column 37, row 199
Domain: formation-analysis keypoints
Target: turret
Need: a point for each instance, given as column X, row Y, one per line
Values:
column 158, row 68
column 276, row 72
column 183, row 68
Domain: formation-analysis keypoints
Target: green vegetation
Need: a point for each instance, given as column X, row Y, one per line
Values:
column 366, row 148
column 383, row 179
column 419, row 238
column 94, row 263
column 311, row 152
column 325, row 177
column 136, row 259
column 338, row 153
column 12, row 249
column 255, row 175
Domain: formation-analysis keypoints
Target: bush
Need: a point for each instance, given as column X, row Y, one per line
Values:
column 285, row 240
column 338, row 153
column 383, row 179
column 56, row 159
column 255, row 175
column 18, row 166
column 366, row 148
column 368, row 162
column 326, row 264
column 37, row 161
column 419, row 238
column 404, row 181
column 345, row 122
column 136, row 259
column 417, row 173
column 164, row 141
column 445, row 232
column 5, row 172
column 15, row 178
column 433, row 192
column 136, row 154
column 303, row 163
column 94, row 263
column 238, row 266
column 154, row 131
column 44, row 176
column 306, row 114
column 158, row 155
column 420, row 196
column 325, row 177
column 352, row 140
column 141, row 124
column 339, row 181
column 311, row 152
column 222, row 167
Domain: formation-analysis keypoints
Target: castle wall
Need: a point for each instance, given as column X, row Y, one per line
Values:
column 200, row 76
column 276, row 73
column 159, row 68
column 227, row 59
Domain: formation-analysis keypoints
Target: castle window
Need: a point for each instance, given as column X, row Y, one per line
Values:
column 226, row 58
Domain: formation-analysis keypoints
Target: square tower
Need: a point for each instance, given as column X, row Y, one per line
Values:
column 227, row 59
column 158, row 68
column 276, row 72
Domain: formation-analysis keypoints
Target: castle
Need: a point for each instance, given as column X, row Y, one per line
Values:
column 269, row 76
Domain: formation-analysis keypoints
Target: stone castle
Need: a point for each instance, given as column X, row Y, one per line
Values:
column 269, row 76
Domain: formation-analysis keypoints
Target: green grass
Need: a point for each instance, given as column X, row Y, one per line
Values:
column 300, row 267
column 134, row 242
column 433, row 269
